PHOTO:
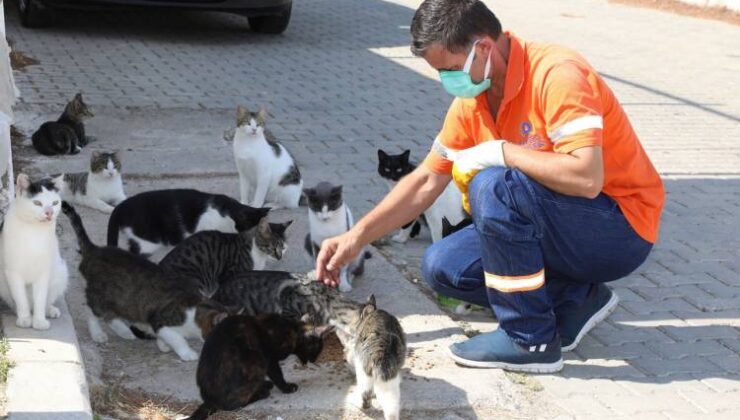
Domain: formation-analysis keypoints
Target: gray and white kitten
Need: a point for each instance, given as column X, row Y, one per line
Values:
column 125, row 289
column 329, row 216
column 376, row 349
column 268, row 174
column 205, row 258
column 100, row 188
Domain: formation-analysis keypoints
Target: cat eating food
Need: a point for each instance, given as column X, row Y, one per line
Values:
column 329, row 216
column 268, row 173
column 449, row 204
column 164, row 218
column 65, row 135
column 241, row 350
column 207, row 257
column 125, row 289
column 100, row 188
column 377, row 350
column 35, row 275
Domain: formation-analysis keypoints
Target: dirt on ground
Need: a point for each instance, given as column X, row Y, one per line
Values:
column 674, row 6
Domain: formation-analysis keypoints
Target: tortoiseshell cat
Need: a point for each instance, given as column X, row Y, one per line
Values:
column 241, row 350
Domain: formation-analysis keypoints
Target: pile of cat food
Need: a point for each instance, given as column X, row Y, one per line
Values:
column 211, row 285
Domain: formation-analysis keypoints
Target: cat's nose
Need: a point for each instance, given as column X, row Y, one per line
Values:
column 49, row 213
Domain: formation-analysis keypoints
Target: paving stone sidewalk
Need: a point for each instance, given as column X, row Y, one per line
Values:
column 341, row 83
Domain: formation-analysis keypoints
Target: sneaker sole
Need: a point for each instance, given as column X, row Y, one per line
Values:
column 599, row 316
column 512, row 367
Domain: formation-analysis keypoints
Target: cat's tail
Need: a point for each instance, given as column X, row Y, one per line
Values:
column 113, row 227
column 84, row 241
column 202, row 412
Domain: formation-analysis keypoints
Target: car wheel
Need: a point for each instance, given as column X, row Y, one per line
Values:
column 32, row 14
column 272, row 24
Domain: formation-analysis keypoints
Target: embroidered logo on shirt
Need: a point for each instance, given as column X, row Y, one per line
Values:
column 531, row 139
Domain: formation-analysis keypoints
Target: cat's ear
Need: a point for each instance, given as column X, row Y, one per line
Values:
column 58, row 181
column 382, row 155
column 279, row 228
column 242, row 116
column 95, row 155
column 78, row 97
column 218, row 318
column 323, row 330
column 308, row 192
column 405, row 155
column 263, row 227
column 336, row 190
column 262, row 113
column 446, row 225
column 22, row 183
column 369, row 307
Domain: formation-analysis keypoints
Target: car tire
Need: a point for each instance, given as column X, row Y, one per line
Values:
column 32, row 14
column 271, row 24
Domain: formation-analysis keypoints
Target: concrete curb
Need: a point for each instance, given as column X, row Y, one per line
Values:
column 48, row 379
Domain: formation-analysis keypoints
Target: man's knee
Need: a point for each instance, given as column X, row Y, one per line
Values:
column 432, row 265
column 500, row 198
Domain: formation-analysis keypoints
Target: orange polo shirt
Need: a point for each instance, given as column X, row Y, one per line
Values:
column 554, row 101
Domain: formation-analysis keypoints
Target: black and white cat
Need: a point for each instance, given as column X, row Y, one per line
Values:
column 206, row 258
column 268, row 174
column 35, row 275
column 125, row 289
column 449, row 204
column 164, row 218
column 67, row 134
column 100, row 188
column 329, row 216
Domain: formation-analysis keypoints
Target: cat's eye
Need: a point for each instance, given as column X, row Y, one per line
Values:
column 37, row 203
column 55, row 203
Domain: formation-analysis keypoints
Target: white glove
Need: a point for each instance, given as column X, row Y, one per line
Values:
column 468, row 162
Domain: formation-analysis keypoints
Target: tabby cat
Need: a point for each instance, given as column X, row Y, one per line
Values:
column 206, row 257
column 164, row 218
column 101, row 188
column 292, row 295
column 377, row 350
column 65, row 135
column 125, row 289
column 242, row 350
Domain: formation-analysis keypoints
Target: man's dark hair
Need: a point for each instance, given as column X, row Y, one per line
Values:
column 452, row 24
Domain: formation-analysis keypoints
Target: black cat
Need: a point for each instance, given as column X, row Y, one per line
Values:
column 241, row 350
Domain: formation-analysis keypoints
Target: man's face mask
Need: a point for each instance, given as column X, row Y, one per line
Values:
column 459, row 83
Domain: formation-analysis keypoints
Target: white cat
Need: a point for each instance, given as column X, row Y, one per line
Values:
column 268, row 174
column 101, row 188
column 329, row 216
column 35, row 273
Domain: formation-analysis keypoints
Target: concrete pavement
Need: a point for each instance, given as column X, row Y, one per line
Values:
column 341, row 83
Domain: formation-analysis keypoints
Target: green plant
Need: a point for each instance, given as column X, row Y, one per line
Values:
column 5, row 363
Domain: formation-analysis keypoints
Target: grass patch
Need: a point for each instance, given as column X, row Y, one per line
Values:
column 5, row 363
column 524, row 380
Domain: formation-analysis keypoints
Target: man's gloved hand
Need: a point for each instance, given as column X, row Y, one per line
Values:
column 469, row 162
